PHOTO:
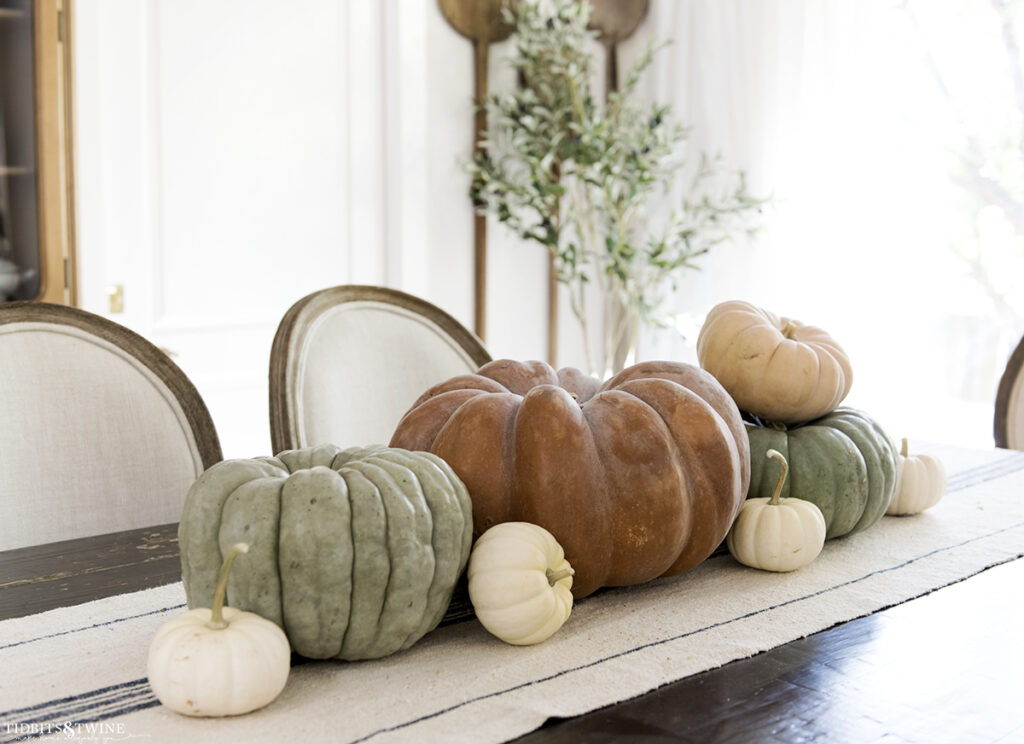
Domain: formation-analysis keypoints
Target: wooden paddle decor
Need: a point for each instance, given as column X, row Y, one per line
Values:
column 479, row 21
column 615, row 21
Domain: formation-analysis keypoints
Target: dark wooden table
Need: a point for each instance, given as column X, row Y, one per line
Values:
column 947, row 667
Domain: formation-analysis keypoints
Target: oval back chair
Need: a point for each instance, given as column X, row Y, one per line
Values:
column 347, row 362
column 99, row 430
column 1009, row 415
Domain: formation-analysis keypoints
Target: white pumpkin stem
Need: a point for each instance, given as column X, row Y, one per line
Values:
column 776, row 455
column 905, row 449
column 217, row 609
column 788, row 330
column 555, row 576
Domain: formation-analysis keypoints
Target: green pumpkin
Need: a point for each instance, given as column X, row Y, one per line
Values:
column 353, row 553
column 843, row 462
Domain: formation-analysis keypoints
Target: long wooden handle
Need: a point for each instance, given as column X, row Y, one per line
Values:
column 552, row 312
column 611, row 69
column 479, row 220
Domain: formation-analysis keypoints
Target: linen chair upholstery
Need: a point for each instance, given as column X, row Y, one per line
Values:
column 1009, row 415
column 347, row 362
column 99, row 430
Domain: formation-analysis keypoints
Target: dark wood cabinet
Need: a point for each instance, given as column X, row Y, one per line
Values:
column 36, row 164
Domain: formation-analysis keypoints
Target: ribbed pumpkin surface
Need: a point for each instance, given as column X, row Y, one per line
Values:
column 843, row 462
column 636, row 478
column 353, row 553
column 774, row 367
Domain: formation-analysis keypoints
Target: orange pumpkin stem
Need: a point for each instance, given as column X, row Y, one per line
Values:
column 776, row 455
column 217, row 621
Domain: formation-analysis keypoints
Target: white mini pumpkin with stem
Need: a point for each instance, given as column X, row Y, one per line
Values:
column 776, row 534
column 920, row 483
column 520, row 583
column 218, row 661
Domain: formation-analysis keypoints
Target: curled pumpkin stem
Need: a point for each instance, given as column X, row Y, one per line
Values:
column 776, row 455
column 555, row 576
column 217, row 621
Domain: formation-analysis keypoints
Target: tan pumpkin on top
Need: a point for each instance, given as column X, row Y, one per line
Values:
column 636, row 478
column 774, row 367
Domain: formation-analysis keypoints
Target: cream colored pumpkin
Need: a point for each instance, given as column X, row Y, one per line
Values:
column 776, row 534
column 520, row 583
column 218, row 661
column 920, row 483
column 774, row 367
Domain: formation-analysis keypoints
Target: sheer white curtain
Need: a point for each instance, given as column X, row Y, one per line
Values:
column 834, row 109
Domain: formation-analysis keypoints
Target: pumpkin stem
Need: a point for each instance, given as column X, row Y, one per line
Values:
column 905, row 449
column 555, row 576
column 217, row 609
column 789, row 329
column 776, row 455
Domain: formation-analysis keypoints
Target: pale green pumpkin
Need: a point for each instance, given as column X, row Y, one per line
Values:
column 353, row 553
column 842, row 462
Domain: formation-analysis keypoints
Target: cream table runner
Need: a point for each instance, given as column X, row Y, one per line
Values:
column 79, row 672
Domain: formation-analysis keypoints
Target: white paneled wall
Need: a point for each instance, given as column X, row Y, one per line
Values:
column 236, row 155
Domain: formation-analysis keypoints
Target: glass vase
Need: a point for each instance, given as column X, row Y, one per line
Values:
column 620, row 331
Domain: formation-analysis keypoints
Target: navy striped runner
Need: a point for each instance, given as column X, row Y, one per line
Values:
column 78, row 712
column 94, row 625
column 975, row 476
column 73, row 716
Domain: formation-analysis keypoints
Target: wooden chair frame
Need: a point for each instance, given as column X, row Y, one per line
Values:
column 1004, row 396
column 292, row 334
column 188, row 397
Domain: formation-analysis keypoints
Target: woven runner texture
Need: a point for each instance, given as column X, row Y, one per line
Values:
column 81, row 671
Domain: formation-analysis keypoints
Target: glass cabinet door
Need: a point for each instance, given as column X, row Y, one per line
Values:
column 34, row 236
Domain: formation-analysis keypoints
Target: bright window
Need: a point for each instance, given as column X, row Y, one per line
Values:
column 891, row 135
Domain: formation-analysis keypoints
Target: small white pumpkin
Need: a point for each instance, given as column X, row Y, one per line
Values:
column 218, row 661
column 920, row 483
column 520, row 583
column 776, row 534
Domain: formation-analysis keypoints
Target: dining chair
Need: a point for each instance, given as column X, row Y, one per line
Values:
column 1009, row 416
column 347, row 362
column 99, row 430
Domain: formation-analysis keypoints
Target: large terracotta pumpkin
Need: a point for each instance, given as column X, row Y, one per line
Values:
column 636, row 478
column 843, row 462
column 774, row 367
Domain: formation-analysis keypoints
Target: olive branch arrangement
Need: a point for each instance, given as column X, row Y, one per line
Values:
column 562, row 169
